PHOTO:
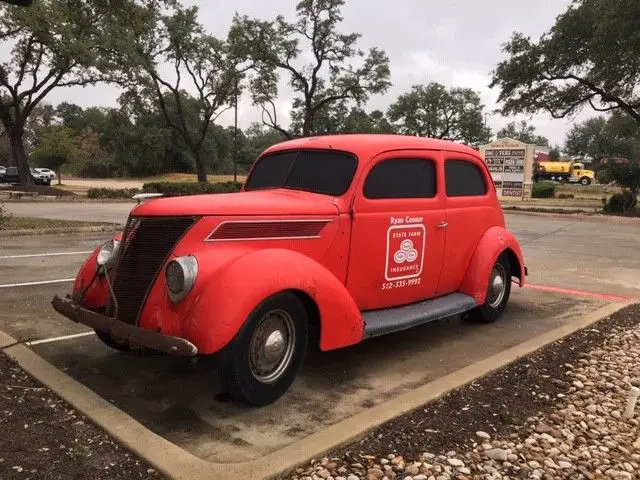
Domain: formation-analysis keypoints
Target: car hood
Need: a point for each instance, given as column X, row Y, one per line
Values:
column 258, row 202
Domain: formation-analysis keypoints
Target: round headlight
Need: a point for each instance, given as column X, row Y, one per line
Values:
column 180, row 276
column 108, row 252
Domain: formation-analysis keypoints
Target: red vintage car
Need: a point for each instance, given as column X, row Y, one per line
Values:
column 332, row 240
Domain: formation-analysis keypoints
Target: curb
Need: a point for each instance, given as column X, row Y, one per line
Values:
column 176, row 463
column 581, row 217
column 48, row 231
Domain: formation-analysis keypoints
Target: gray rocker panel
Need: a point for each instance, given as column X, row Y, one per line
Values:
column 389, row 320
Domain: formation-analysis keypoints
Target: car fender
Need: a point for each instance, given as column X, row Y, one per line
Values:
column 94, row 291
column 235, row 291
column 492, row 244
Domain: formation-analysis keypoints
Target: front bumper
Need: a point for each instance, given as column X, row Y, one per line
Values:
column 136, row 337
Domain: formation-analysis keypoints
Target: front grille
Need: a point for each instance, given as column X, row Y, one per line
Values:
column 146, row 244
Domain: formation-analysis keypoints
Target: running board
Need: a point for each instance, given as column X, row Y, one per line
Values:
column 389, row 320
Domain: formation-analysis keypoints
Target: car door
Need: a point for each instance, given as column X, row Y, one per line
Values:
column 398, row 230
column 470, row 213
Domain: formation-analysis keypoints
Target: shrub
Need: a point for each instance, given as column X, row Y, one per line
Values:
column 621, row 203
column 543, row 190
column 171, row 189
column 112, row 192
column 603, row 176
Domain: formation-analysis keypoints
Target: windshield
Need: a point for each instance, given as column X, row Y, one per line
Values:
column 317, row 171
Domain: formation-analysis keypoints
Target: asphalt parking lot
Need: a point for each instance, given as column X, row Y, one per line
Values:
column 574, row 267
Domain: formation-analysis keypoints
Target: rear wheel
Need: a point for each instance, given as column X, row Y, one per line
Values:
column 498, row 293
column 260, row 364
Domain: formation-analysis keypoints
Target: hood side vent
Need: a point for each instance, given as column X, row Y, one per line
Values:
column 267, row 230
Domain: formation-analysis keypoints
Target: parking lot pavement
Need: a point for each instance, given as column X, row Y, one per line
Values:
column 176, row 398
column 601, row 257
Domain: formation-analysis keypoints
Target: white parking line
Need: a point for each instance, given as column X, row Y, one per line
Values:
column 7, row 257
column 42, row 282
column 58, row 339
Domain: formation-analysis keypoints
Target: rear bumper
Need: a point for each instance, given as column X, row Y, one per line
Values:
column 136, row 337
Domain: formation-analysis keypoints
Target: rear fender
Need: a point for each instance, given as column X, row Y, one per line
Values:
column 494, row 242
column 235, row 291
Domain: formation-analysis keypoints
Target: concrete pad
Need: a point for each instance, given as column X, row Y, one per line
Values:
column 175, row 398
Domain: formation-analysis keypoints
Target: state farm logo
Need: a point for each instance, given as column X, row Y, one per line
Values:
column 405, row 251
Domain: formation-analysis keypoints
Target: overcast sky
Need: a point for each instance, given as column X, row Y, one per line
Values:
column 456, row 42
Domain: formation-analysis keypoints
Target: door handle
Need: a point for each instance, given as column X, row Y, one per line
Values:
column 442, row 224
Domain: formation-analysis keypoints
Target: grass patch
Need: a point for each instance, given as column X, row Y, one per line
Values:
column 31, row 223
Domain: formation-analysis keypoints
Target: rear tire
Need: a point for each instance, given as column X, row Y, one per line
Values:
column 260, row 364
column 498, row 292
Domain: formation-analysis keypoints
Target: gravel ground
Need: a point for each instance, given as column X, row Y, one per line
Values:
column 557, row 414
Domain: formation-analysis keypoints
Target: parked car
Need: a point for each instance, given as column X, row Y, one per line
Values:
column 46, row 171
column 332, row 241
column 11, row 176
column 3, row 171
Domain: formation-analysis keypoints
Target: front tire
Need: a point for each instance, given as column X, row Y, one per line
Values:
column 498, row 293
column 260, row 364
column 585, row 181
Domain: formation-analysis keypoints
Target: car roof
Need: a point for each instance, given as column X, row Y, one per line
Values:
column 365, row 146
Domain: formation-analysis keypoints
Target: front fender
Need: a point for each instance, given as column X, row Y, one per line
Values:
column 96, row 295
column 494, row 242
column 235, row 291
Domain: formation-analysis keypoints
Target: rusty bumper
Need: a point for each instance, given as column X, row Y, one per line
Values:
column 136, row 337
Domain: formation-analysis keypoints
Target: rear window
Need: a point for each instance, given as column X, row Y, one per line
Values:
column 464, row 179
column 401, row 178
column 316, row 171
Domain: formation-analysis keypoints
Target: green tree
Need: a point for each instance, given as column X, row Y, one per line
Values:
column 273, row 47
column 198, row 62
column 617, row 135
column 258, row 139
column 434, row 111
column 55, row 148
column 590, row 57
column 627, row 176
column 554, row 154
column 524, row 132
column 54, row 43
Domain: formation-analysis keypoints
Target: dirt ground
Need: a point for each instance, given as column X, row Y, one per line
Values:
column 44, row 438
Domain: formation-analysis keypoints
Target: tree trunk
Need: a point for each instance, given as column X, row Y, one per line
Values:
column 19, row 154
column 202, row 172
column 59, row 176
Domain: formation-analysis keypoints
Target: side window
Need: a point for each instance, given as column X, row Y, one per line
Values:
column 401, row 178
column 464, row 179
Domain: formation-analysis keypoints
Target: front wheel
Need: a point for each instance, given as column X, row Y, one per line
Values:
column 498, row 293
column 260, row 364
column 585, row 181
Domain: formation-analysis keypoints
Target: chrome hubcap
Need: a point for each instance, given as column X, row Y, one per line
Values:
column 271, row 348
column 497, row 286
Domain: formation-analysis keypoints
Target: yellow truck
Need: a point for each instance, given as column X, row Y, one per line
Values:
column 563, row 172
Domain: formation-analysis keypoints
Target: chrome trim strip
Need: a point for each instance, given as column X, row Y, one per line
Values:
column 305, row 237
